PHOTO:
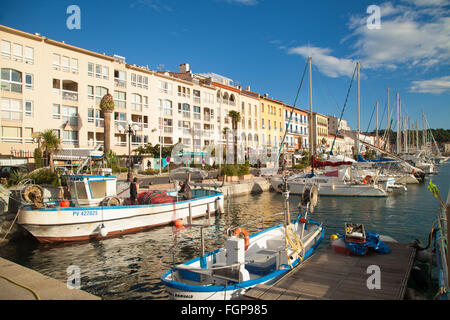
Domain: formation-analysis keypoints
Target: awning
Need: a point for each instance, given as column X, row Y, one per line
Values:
column 76, row 154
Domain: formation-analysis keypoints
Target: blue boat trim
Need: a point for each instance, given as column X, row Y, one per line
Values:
column 218, row 195
column 246, row 284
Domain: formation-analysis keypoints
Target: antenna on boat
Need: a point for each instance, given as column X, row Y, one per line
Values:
column 287, row 216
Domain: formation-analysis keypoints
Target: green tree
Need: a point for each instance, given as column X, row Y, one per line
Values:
column 50, row 143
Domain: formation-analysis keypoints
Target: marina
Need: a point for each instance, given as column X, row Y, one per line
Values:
column 130, row 266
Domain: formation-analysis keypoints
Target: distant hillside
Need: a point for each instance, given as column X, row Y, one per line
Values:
column 440, row 135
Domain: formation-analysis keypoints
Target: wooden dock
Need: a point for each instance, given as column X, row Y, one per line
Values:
column 331, row 276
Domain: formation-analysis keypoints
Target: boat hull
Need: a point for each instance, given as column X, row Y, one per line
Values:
column 340, row 190
column 83, row 223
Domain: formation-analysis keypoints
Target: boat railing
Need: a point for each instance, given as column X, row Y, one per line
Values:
column 229, row 231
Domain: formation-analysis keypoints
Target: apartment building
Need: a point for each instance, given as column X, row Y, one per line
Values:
column 48, row 84
column 272, row 120
column 320, row 131
column 297, row 136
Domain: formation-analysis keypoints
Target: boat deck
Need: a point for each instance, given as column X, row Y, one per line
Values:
column 332, row 276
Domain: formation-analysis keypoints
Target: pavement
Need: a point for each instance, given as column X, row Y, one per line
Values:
column 45, row 287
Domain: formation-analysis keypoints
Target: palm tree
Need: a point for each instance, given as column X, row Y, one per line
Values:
column 107, row 106
column 235, row 119
column 50, row 143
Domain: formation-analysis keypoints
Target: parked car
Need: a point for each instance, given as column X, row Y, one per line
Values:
column 6, row 171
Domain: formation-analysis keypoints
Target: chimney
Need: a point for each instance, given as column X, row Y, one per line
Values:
column 247, row 88
column 184, row 68
column 266, row 95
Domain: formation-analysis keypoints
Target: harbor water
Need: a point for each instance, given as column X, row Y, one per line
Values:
column 130, row 266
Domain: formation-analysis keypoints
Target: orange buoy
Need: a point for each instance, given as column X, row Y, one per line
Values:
column 64, row 204
column 179, row 224
column 238, row 231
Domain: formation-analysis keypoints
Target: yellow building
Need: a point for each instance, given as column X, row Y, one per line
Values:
column 320, row 131
column 271, row 115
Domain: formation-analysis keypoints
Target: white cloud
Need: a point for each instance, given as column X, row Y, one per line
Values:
column 436, row 86
column 405, row 38
column 329, row 65
column 429, row 3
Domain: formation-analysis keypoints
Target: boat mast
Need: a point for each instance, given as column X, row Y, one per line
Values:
column 423, row 131
column 312, row 147
column 417, row 135
column 388, row 118
column 376, row 130
column 398, row 124
column 357, row 103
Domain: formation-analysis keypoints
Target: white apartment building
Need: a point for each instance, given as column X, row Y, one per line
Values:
column 47, row 84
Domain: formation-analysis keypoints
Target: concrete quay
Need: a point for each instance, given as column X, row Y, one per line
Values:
column 31, row 285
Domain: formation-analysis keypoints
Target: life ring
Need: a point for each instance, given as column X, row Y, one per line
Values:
column 238, row 231
column 368, row 179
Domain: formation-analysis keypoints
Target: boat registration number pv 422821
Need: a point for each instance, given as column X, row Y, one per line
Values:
column 85, row 213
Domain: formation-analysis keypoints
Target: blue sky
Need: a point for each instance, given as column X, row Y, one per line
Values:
column 265, row 44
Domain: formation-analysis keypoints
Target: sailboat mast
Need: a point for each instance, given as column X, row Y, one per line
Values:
column 376, row 130
column 398, row 124
column 417, row 135
column 312, row 147
column 357, row 101
column 388, row 118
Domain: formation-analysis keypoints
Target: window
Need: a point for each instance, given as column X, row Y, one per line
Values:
column 197, row 113
column 99, row 94
column 29, row 55
column 184, row 92
column 28, row 135
column 28, row 81
column 98, row 71
column 90, row 69
column 69, row 137
column 70, row 115
column 90, row 92
column 165, row 87
column 166, row 105
column 145, row 102
column 56, row 111
column 74, row 65
column 136, row 102
column 105, row 73
column 11, row 134
column 120, row 78
column 90, row 115
column 185, row 108
column 6, row 49
column 133, row 80
column 17, row 51
column 120, row 99
column 29, row 108
column 56, row 61
column 11, row 109
column 145, row 82
column 262, row 123
column 11, row 80
column 65, row 63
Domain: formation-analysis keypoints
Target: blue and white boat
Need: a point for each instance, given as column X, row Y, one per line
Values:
column 95, row 210
column 262, row 258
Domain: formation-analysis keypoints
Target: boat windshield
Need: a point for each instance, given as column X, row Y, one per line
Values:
column 78, row 190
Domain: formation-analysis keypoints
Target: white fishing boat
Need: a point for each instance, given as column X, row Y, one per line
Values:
column 95, row 211
column 262, row 258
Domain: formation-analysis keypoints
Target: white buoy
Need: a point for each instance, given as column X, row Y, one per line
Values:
column 103, row 230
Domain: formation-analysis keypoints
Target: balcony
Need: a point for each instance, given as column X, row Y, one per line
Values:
column 70, row 95
column 196, row 99
column 120, row 83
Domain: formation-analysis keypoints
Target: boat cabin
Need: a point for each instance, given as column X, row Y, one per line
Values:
column 90, row 190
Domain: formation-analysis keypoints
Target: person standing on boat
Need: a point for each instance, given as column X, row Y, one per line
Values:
column 185, row 190
column 134, row 190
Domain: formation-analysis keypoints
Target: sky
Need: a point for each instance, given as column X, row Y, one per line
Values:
column 266, row 43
